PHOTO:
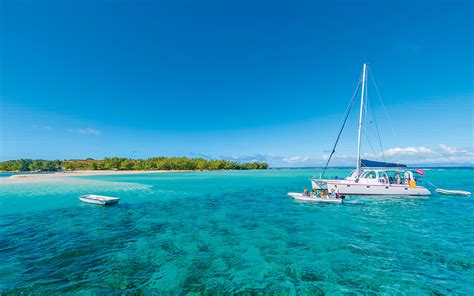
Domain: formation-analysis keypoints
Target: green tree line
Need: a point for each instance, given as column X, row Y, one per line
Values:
column 116, row 163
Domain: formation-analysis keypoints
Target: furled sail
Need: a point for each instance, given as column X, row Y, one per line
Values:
column 380, row 164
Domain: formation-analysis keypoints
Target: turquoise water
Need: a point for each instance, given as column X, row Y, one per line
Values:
column 7, row 174
column 232, row 232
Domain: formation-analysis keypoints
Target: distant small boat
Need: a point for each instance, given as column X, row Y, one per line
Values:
column 300, row 196
column 99, row 199
column 452, row 192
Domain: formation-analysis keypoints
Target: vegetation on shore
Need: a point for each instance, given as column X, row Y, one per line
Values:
column 116, row 163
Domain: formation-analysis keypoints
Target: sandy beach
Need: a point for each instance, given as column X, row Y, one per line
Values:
column 48, row 177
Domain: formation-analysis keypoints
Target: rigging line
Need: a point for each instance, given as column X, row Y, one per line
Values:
column 368, row 141
column 366, row 97
column 367, row 106
column 381, row 100
column 378, row 132
column 348, row 111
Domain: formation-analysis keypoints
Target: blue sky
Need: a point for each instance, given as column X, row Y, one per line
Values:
column 243, row 80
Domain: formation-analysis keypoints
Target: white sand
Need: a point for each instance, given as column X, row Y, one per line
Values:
column 34, row 178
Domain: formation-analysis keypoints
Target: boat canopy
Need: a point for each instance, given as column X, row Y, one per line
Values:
column 380, row 164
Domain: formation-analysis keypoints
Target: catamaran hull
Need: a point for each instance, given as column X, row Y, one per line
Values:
column 351, row 188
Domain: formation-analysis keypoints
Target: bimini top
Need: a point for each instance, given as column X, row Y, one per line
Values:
column 380, row 164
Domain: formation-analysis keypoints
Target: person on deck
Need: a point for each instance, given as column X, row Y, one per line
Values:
column 407, row 177
column 334, row 193
column 324, row 193
column 398, row 180
column 305, row 192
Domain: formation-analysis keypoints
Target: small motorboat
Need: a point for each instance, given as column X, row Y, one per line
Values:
column 302, row 197
column 452, row 192
column 99, row 199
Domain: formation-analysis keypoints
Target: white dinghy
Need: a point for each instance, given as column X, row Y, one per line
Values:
column 99, row 199
column 453, row 192
column 302, row 197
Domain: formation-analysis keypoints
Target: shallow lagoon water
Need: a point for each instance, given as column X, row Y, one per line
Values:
column 233, row 232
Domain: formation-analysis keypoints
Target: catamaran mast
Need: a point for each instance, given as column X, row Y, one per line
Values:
column 360, row 118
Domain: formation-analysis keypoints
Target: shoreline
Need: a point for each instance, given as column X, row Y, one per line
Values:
column 44, row 177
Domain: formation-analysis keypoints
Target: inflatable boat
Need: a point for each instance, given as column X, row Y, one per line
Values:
column 302, row 197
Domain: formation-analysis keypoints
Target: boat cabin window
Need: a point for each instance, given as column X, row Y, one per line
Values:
column 394, row 177
column 399, row 176
column 369, row 175
column 384, row 178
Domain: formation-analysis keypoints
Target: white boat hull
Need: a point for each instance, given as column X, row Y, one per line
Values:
column 453, row 192
column 99, row 199
column 300, row 196
column 345, row 187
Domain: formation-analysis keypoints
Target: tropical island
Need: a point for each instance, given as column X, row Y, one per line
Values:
column 127, row 164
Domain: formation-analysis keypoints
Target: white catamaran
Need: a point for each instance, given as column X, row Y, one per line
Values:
column 372, row 177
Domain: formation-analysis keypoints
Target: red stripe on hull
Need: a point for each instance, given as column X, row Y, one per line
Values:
column 380, row 185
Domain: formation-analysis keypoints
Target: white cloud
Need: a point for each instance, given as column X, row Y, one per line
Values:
column 274, row 160
column 296, row 159
column 337, row 159
column 42, row 126
column 85, row 131
column 443, row 154
column 411, row 155
column 452, row 150
column 407, row 151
